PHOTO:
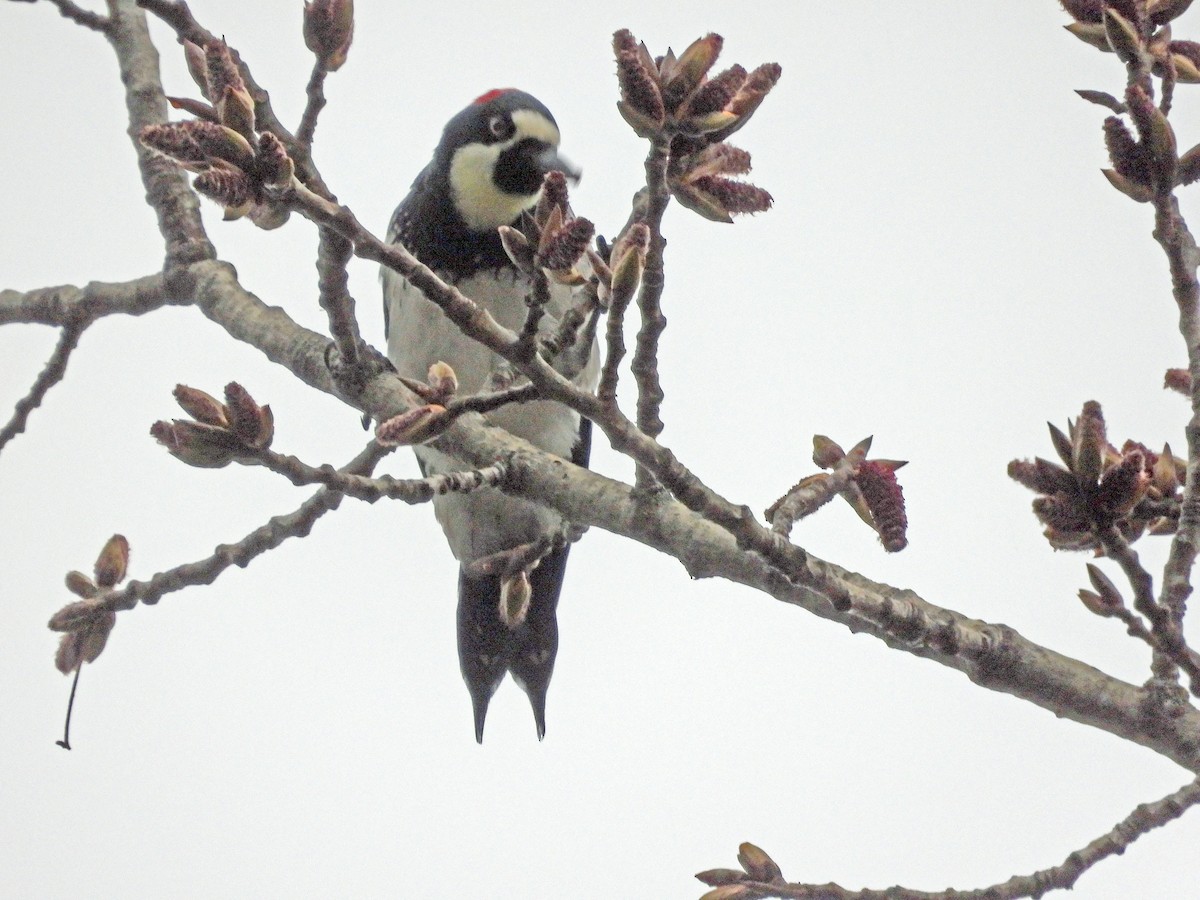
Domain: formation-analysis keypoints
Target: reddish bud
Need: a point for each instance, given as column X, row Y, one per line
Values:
column 729, row 892
column 175, row 141
column 1096, row 604
column 735, row 197
column 1062, row 514
column 221, row 70
column 1123, row 35
column 72, row 616
column 690, row 68
column 827, row 453
column 555, row 195
column 329, row 31
column 1129, row 158
column 201, row 406
column 1042, row 476
column 252, row 424
column 231, row 188
column 516, row 592
column 235, row 109
column 112, row 562
column 1163, row 11
column 442, row 380
column 1084, row 10
column 718, row 877
column 1088, row 440
column 80, row 585
column 197, row 445
column 885, row 499
column 1135, row 191
column 638, row 83
column 1123, row 486
column 758, row 865
column 628, row 264
column 274, row 164
column 1106, row 591
column 517, row 248
column 566, row 245
column 716, row 93
column 415, row 426
column 197, row 66
column 1178, row 380
column 84, row 644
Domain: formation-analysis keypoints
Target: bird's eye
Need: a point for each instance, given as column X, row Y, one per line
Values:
column 499, row 126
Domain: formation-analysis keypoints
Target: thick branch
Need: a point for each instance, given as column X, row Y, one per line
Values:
column 167, row 190
column 67, row 305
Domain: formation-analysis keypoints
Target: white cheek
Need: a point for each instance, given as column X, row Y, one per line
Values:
column 481, row 204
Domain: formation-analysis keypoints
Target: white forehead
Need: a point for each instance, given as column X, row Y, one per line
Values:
column 532, row 124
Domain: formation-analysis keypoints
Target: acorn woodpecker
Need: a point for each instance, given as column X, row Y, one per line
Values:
column 487, row 170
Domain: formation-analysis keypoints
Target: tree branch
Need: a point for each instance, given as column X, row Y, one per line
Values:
column 993, row 656
column 333, row 252
column 1173, row 236
column 410, row 490
column 1143, row 819
column 51, row 374
column 644, row 364
column 316, row 102
column 205, row 571
column 66, row 305
column 178, row 17
column 69, row 10
column 167, row 190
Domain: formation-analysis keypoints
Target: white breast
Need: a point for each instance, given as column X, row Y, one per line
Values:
column 419, row 335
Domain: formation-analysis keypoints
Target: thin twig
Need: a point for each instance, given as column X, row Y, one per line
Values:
column 807, row 496
column 484, row 403
column 570, row 348
column 65, row 743
column 644, row 364
column 333, row 252
column 51, row 374
column 614, row 344
column 266, row 537
column 535, row 302
column 361, row 487
column 69, row 10
column 1170, row 647
column 1143, row 819
column 316, row 102
column 1176, row 240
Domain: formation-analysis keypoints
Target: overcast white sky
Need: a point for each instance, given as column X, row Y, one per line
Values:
column 945, row 268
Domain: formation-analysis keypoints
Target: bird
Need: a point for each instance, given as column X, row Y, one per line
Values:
column 487, row 171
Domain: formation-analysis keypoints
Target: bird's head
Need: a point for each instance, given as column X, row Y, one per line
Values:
column 496, row 153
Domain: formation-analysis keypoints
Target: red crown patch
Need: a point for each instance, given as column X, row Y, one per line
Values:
column 491, row 95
